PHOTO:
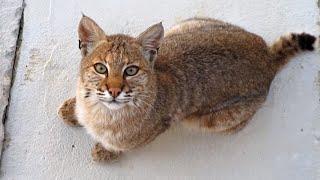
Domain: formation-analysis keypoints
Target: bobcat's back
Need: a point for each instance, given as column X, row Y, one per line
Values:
column 213, row 61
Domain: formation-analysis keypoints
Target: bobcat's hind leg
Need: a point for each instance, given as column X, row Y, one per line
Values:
column 67, row 112
column 228, row 119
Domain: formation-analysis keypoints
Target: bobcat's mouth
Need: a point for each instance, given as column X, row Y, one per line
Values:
column 114, row 103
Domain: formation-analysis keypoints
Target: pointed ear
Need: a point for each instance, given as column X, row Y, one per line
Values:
column 150, row 41
column 89, row 34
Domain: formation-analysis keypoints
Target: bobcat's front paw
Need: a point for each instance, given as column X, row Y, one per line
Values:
column 67, row 112
column 100, row 154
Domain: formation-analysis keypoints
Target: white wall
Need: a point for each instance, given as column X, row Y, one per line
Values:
column 281, row 142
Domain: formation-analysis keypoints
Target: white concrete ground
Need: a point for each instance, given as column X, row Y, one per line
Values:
column 281, row 142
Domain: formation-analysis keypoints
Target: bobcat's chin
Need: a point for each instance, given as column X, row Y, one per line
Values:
column 115, row 105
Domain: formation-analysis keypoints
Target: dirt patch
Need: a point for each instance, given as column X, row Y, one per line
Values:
column 34, row 61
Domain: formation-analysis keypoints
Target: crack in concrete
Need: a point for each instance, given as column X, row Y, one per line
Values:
column 14, row 64
column 318, row 23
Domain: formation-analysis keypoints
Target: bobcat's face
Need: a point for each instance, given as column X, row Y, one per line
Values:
column 117, row 70
column 116, row 74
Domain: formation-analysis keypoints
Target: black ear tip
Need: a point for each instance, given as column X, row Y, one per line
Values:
column 159, row 25
column 83, row 15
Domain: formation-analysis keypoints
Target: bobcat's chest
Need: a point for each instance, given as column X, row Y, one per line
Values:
column 115, row 131
column 110, row 138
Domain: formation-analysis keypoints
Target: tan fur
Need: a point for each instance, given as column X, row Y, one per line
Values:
column 209, row 74
column 67, row 112
column 99, row 153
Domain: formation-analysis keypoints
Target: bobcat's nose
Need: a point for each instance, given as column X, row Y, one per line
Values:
column 114, row 92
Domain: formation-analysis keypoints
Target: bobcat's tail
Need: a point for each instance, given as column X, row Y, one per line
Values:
column 288, row 46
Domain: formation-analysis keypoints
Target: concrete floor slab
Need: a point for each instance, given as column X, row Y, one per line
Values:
column 281, row 142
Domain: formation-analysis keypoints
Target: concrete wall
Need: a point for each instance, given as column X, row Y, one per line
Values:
column 281, row 142
column 11, row 13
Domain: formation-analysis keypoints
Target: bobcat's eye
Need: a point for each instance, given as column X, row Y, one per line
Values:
column 131, row 71
column 100, row 68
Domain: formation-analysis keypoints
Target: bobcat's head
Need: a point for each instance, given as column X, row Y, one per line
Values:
column 117, row 70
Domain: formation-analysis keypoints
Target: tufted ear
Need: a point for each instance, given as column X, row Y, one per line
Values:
column 89, row 34
column 150, row 41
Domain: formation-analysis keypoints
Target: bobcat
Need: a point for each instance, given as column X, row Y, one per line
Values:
column 206, row 73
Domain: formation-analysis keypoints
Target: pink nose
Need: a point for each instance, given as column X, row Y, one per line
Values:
column 114, row 92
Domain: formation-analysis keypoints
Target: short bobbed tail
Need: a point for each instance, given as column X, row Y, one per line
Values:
column 288, row 46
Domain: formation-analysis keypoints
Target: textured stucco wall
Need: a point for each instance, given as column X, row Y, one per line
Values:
column 281, row 142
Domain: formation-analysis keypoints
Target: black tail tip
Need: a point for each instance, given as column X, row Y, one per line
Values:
column 306, row 41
